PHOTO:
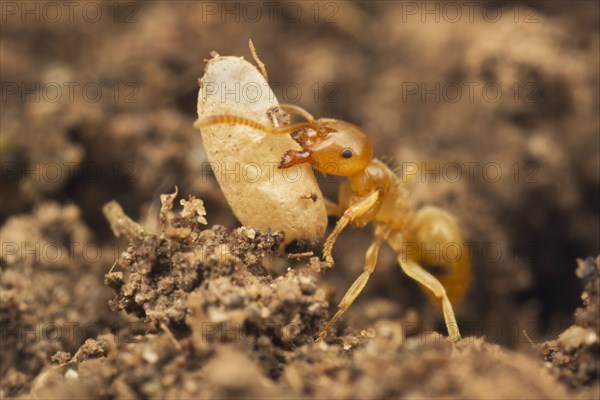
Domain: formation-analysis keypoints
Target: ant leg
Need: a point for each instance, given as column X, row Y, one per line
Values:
column 354, row 211
column 421, row 275
column 381, row 233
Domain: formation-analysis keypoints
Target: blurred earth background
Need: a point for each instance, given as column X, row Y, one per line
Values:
column 496, row 103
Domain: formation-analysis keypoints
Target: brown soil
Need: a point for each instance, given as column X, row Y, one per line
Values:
column 196, row 310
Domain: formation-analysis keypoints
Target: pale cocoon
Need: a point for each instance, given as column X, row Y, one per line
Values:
column 245, row 161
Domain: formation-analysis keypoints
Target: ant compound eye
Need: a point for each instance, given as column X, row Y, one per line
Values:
column 346, row 153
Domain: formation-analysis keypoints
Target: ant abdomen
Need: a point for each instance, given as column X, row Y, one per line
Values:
column 436, row 242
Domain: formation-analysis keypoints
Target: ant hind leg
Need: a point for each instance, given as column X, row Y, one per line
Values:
column 421, row 275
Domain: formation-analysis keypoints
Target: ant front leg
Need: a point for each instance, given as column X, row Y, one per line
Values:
column 381, row 234
column 355, row 211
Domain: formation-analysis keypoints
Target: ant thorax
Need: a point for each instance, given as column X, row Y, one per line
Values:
column 375, row 175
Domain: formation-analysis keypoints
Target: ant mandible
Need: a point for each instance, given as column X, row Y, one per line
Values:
column 374, row 193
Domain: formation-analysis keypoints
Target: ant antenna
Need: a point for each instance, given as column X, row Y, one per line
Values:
column 233, row 119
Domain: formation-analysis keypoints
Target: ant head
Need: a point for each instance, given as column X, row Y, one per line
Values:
column 339, row 148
